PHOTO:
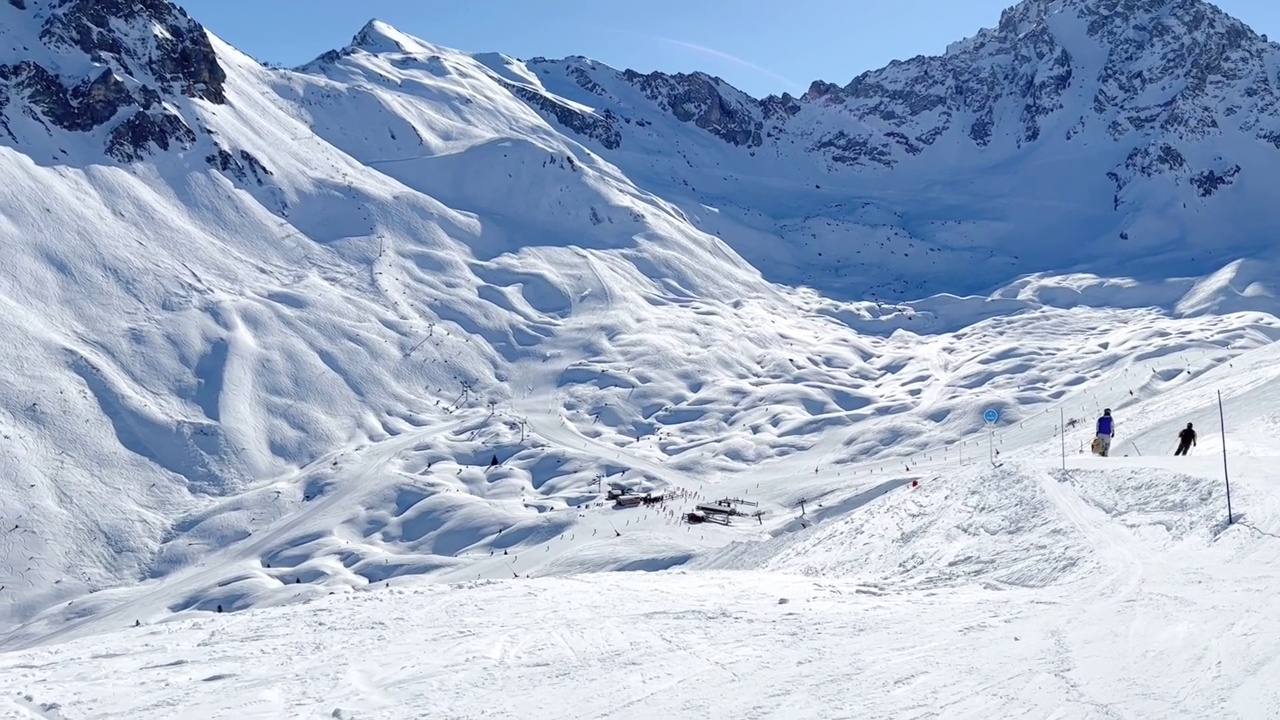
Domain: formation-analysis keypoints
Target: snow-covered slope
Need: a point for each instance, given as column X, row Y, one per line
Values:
column 1112, row 589
column 269, row 330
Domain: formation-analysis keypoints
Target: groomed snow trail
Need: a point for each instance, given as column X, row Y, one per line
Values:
column 714, row 644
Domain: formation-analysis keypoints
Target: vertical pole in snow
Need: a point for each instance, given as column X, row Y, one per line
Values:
column 1222, row 425
column 1062, row 430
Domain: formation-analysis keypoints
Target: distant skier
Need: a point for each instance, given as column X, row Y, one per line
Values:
column 1106, row 430
column 1186, row 439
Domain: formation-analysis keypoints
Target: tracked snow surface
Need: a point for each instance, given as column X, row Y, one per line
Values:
column 315, row 383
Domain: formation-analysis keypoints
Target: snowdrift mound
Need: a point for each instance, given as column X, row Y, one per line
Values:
column 999, row 527
column 1160, row 507
column 995, row 526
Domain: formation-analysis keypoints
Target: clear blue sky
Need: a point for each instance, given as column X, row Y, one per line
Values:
column 760, row 46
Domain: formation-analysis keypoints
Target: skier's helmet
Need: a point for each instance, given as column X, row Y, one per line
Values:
column 1107, row 411
column 1188, row 426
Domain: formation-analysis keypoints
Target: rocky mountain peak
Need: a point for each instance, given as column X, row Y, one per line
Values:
column 140, row 39
column 380, row 37
column 1129, row 67
column 708, row 102
column 1189, row 25
column 1021, row 17
column 89, row 64
column 1138, row 63
column 1148, row 102
column 377, row 38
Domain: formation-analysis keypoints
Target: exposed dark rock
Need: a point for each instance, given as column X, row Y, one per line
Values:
column 775, row 107
column 99, row 101
column 603, row 129
column 80, row 108
column 244, row 166
column 700, row 99
column 1147, row 161
column 146, row 51
column 821, row 90
column 43, row 90
column 330, row 57
column 982, row 127
column 1209, row 182
column 179, row 58
column 586, row 82
column 904, row 141
column 928, row 138
column 852, row 150
column 1152, row 160
column 131, row 140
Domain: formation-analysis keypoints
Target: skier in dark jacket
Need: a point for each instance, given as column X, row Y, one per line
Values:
column 1106, row 430
column 1186, row 439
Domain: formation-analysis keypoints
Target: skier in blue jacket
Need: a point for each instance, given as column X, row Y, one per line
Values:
column 1106, row 431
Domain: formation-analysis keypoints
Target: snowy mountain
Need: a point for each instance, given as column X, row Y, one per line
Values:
column 1076, row 134
column 410, row 312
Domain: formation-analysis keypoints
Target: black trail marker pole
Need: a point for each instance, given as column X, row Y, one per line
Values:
column 1222, row 425
column 1062, row 430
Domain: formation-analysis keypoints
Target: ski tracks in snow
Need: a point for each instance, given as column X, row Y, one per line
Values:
column 1104, row 535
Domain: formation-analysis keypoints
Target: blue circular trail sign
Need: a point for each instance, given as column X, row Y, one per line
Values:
column 991, row 416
